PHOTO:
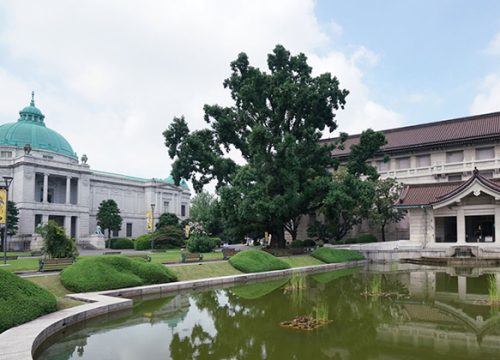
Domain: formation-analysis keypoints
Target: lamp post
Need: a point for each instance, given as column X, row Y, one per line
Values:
column 8, row 180
column 152, row 225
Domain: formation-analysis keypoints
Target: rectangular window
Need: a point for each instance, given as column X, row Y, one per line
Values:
column 403, row 163
column 382, row 166
column 455, row 177
column 166, row 206
column 485, row 153
column 38, row 220
column 116, row 233
column 454, row 156
column 183, row 210
column 423, row 160
column 129, row 229
column 6, row 154
column 49, row 157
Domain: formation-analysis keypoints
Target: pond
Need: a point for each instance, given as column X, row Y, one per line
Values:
column 399, row 311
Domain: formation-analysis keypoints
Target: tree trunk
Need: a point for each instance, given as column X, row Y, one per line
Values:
column 382, row 228
column 109, row 237
column 278, row 238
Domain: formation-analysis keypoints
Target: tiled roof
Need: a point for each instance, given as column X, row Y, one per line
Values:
column 427, row 194
column 437, row 133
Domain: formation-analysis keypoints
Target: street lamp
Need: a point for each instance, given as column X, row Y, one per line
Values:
column 152, row 225
column 8, row 180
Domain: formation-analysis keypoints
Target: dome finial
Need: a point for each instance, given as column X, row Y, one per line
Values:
column 32, row 103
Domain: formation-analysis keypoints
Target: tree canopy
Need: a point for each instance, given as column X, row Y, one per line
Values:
column 108, row 216
column 275, row 123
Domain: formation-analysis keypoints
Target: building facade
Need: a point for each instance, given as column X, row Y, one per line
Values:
column 51, row 183
column 450, row 171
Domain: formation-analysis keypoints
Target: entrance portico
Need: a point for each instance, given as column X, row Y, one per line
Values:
column 451, row 214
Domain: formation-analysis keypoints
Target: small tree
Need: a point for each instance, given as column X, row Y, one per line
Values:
column 108, row 216
column 55, row 242
column 12, row 218
column 167, row 219
column 383, row 213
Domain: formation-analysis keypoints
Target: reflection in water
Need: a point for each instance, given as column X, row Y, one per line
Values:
column 422, row 314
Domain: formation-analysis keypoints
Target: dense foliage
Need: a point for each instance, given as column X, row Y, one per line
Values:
column 143, row 242
column 249, row 261
column 56, row 244
column 167, row 237
column 22, row 301
column 205, row 211
column 108, row 216
column 113, row 272
column 167, row 219
column 383, row 212
column 329, row 255
column 200, row 243
column 121, row 243
column 275, row 123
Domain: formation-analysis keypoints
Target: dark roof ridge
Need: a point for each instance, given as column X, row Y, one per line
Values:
column 424, row 125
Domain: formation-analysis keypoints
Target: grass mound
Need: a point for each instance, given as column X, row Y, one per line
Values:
column 256, row 261
column 22, row 301
column 329, row 255
column 113, row 272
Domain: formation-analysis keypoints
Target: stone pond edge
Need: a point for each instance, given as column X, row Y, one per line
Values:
column 22, row 341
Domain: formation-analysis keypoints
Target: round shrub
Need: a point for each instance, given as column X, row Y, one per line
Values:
column 256, row 261
column 122, row 243
column 113, row 272
column 200, row 243
column 329, row 255
column 143, row 242
column 22, row 301
column 56, row 244
column 217, row 240
column 168, row 237
column 297, row 244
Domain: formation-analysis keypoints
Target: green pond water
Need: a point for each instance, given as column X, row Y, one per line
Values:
column 397, row 311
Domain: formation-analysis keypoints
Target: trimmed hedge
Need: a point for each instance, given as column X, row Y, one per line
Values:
column 113, row 272
column 329, row 255
column 122, row 243
column 361, row 239
column 249, row 261
column 22, row 301
column 143, row 242
column 168, row 237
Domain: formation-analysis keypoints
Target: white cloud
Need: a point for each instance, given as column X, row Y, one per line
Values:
column 111, row 75
column 493, row 47
column 488, row 98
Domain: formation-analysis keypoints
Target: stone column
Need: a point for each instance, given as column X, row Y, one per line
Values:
column 45, row 187
column 497, row 222
column 68, row 190
column 67, row 225
column 45, row 219
column 460, row 226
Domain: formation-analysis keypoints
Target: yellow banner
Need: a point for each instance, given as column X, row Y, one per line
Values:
column 3, row 206
column 149, row 221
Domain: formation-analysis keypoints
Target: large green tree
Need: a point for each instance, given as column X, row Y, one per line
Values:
column 108, row 216
column 387, row 192
column 275, row 123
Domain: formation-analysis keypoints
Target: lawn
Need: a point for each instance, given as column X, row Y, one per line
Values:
column 301, row 260
column 170, row 256
column 203, row 271
column 53, row 284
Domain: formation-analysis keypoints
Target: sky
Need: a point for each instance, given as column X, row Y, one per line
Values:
column 111, row 75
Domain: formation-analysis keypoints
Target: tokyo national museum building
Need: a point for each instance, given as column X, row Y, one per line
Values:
column 51, row 183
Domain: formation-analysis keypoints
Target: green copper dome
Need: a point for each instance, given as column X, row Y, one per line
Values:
column 183, row 183
column 31, row 129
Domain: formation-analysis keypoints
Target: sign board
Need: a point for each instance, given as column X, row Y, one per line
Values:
column 3, row 206
column 149, row 221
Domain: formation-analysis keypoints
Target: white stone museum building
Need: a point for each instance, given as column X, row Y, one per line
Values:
column 50, row 182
